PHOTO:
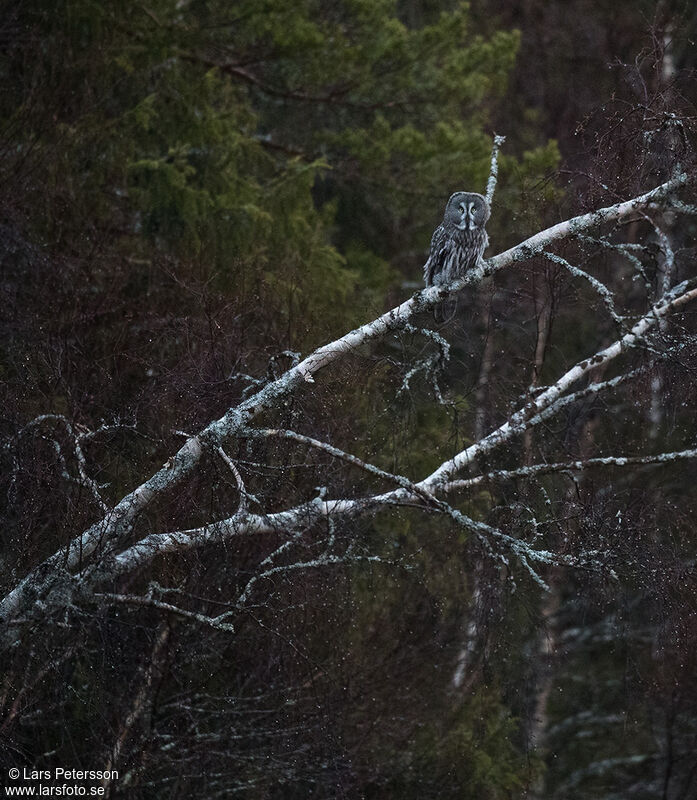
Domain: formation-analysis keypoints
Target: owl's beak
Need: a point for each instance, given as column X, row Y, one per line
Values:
column 470, row 216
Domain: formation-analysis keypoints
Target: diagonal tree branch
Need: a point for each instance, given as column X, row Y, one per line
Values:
column 426, row 492
column 118, row 522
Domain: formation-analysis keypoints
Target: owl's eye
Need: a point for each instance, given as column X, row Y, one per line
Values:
column 462, row 208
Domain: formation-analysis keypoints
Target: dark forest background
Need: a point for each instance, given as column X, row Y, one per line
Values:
column 192, row 191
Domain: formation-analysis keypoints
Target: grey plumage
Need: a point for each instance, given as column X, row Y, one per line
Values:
column 458, row 244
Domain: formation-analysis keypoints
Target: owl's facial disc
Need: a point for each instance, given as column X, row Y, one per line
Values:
column 466, row 217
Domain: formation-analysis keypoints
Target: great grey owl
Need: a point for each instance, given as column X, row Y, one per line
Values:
column 457, row 244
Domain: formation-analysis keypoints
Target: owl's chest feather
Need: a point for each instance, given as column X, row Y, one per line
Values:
column 461, row 252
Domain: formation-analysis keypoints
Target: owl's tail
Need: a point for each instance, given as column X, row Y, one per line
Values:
column 446, row 311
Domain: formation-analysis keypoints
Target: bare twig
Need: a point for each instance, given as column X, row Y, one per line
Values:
column 152, row 602
column 602, row 290
column 243, row 505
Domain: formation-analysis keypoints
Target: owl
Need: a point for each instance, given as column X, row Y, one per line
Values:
column 457, row 244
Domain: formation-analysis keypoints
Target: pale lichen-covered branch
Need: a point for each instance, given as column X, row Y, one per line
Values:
column 109, row 532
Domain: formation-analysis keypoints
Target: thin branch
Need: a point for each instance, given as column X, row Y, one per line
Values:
column 76, row 440
column 430, row 365
column 242, row 508
column 151, row 602
column 683, row 208
column 494, row 170
column 626, row 249
column 668, row 257
column 600, row 288
column 569, row 466
column 325, row 560
column 400, row 480
column 142, row 699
